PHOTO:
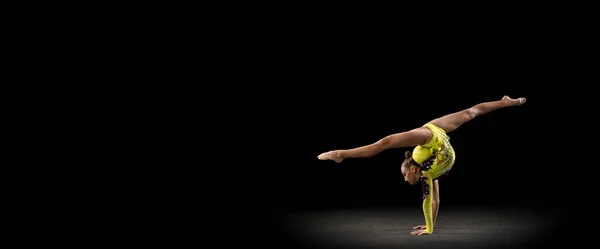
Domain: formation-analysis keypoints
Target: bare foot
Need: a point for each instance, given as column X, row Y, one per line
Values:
column 331, row 155
column 515, row 102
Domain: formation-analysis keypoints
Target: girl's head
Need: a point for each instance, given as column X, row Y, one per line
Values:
column 410, row 169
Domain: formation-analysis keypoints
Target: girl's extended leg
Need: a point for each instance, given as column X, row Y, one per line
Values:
column 454, row 120
column 421, row 135
column 403, row 139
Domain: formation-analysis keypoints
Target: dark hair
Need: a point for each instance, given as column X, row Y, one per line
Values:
column 409, row 161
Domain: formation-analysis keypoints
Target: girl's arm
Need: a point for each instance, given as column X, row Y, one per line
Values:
column 430, row 208
column 436, row 199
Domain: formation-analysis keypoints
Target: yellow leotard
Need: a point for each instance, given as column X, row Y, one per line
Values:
column 436, row 158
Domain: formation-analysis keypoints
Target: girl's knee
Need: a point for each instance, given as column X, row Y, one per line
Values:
column 470, row 113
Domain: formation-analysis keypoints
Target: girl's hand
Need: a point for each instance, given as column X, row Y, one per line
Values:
column 419, row 232
column 420, row 227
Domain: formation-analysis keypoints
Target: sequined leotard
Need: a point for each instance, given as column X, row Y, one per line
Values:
column 436, row 158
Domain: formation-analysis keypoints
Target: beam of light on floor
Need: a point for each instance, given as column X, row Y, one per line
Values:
column 390, row 228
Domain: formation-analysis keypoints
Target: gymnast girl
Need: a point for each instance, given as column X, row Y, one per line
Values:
column 432, row 157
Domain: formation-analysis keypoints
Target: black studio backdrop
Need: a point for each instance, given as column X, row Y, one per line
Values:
column 308, row 94
column 318, row 93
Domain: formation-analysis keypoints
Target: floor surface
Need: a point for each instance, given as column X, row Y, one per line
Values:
column 390, row 228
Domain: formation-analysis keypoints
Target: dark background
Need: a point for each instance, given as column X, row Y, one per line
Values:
column 508, row 158
column 310, row 91
column 325, row 89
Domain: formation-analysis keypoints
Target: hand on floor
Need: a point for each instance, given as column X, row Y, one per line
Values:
column 419, row 232
column 420, row 227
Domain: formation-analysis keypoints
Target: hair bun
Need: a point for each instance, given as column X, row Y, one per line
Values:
column 407, row 154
